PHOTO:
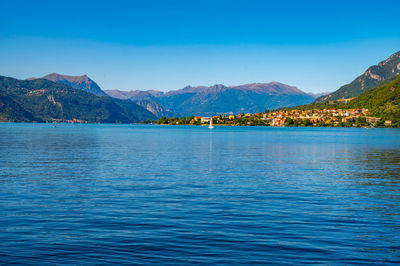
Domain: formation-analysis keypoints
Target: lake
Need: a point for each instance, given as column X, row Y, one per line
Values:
column 143, row 194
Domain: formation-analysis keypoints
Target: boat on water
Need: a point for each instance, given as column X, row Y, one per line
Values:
column 211, row 125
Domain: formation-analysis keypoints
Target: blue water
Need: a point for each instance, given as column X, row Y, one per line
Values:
column 130, row 194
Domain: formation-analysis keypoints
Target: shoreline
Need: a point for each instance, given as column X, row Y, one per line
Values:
column 187, row 125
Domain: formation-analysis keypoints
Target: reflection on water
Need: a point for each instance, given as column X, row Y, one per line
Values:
column 157, row 194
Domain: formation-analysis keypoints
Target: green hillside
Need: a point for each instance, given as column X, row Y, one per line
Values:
column 42, row 100
column 382, row 101
column 371, row 78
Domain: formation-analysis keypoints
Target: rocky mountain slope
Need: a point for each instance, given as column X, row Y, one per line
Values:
column 41, row 100
column 146, row 99
column 370, row 79
column 383, row 100
column 220, row 99
column 83, row 82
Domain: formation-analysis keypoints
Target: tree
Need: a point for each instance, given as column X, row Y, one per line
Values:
column 289, row 122
column 163, row 120
column 307, row 122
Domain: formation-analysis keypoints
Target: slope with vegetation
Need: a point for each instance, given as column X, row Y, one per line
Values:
column 42, row 100
column 373, row 76
column 219, row 99
column 382, row 101
column 83, row 83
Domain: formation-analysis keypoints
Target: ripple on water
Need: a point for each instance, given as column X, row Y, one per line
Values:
column 89, row 194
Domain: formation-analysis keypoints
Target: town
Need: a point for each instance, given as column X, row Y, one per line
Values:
column 292, row 117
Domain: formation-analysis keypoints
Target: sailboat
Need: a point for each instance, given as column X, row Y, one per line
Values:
column 211, row 126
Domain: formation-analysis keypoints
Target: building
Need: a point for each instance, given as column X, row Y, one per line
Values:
column 372, row 120
column 205, row 120
column 277, row 122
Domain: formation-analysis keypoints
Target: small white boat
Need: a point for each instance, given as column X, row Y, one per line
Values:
column 211, row 126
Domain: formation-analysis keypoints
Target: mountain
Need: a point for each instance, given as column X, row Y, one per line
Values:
column 83, row 83
column 119, row 94
column 382, row 101
column 317, row 95
column 220, row 99
column 146, row 99
column 373, row 76
column 136, row 94
column 41, row 100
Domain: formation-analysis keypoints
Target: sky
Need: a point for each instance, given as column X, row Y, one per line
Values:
column 316, row 46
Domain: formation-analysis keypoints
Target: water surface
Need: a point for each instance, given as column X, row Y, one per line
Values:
column 130, row 194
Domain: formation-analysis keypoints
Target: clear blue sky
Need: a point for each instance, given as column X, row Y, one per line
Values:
column 314, row 45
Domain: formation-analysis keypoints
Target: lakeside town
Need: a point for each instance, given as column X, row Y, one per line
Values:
column 314, row 117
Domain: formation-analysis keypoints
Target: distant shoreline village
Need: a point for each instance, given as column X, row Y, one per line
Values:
column 316, row 118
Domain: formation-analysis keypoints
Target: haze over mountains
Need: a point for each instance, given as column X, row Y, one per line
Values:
column 318, row 94
column 372, row 77
column 219, row 99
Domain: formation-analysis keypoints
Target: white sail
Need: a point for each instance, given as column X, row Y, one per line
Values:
column 210, row 126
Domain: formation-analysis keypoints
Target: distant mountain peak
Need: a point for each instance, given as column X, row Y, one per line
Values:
column 219, row 99
column 82, row 82
column 59, row 77
column 44, row 100
column 392, row 57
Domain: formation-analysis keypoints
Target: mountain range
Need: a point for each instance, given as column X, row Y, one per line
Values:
column 200, row 100
column 371, row 78
column 318, row 94
column 217, row 99
column 42, row 100
column 146, row 99
column 57, row 97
